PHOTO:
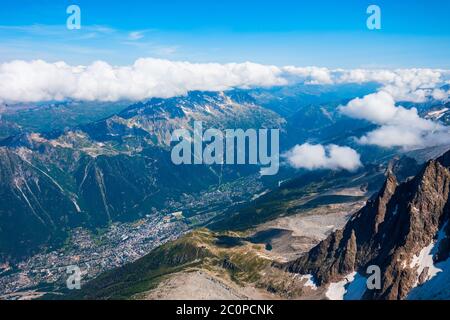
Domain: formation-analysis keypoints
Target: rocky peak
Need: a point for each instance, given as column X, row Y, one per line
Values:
column 392, row 230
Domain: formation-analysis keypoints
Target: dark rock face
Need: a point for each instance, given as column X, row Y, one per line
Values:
column 393, row 228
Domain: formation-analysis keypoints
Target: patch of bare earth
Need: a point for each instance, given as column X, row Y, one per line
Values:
column 202, row 285
column 304, row 230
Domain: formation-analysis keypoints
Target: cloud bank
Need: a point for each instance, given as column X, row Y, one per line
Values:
column 312, row 157
column 414, row 85
column 38, row 80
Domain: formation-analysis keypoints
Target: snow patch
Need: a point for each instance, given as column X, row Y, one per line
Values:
column 437, row 114
column 256, row 196
column 352, row 287
column 425, row 258
column 434, row 289
column 77, row 207
column 309, row 281
column 337, row 290
column 356, row 288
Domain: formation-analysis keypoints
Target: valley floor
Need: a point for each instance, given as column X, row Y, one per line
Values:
column 93, row 254
column 288, row 236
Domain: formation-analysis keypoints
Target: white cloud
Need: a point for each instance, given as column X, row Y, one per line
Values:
column 308, row 156
column 390, row 136
column 441, row 95
column 377, row 107
column 380, row 108
column 22, row 81
column 135, row 35
column 31, row 81
column 415, row 85
column 362, row 76
column 399, row 127
column 311, row 75
column 407, row 137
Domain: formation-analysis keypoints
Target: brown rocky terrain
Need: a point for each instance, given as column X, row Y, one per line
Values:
column 398, row 230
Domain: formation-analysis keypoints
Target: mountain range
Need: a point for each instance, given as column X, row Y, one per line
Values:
column 403, row 229
column 251, row 241
column 114, row 169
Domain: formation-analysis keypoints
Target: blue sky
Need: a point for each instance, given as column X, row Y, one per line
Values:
column 321, row 33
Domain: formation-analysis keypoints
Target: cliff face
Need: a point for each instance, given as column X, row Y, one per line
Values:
column 397, row 230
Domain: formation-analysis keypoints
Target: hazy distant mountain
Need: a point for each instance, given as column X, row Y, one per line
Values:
column 8, row 129
column 49, row 116
column 288, row 100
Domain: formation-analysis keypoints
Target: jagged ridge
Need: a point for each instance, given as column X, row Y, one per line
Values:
column 393, row 228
